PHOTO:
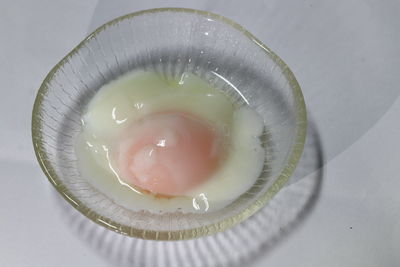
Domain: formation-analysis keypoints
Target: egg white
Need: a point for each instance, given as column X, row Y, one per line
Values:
column 139, row 93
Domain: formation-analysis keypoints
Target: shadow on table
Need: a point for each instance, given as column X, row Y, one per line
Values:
column 240, row 245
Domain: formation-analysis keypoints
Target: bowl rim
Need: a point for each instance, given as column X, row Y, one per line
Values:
column 287, row 171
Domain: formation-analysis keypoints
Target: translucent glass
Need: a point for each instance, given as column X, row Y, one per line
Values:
column 169, row 41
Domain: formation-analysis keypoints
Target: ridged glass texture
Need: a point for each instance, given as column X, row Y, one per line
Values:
column 169, row 41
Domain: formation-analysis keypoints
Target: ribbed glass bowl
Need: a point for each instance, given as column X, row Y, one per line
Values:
column 169, row 41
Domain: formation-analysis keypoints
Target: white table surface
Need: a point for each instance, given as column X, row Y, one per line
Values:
column 344, row 54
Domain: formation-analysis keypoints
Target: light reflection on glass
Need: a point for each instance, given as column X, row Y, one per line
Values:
column 230, row 84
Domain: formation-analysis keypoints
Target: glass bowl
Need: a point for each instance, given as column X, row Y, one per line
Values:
column 169, row 41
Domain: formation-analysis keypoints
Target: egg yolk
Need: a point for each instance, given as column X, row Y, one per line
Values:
column 168, row 153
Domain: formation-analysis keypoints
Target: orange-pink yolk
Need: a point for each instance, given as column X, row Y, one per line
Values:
column 168, row 153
